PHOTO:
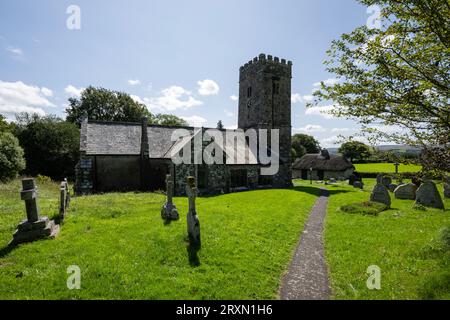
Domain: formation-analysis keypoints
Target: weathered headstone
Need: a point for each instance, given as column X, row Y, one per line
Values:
column 169, row 210
column 358, row 184
column 352, row 179
column 380, row 178
column 406, row 191
column 67, row 193
column 447, row 187
column 386, row 181
column 392, row 187
column 332, row 180
column 380, row 194
column 193, row 223
column 35, row 227
column 62, row 200
column 428, row 195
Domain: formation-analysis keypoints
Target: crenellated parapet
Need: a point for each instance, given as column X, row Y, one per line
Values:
column 264, row 61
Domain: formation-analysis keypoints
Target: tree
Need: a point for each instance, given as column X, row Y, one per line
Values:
column 303, row 143
column 355, row 150
column 107, row 105
column 51, row 145
column 396, row 75
column 11, row 157
column 220, row 125
column 167, row 120
column 5, row 126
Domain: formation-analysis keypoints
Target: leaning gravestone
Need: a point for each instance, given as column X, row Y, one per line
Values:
column 193, row 223
column 34, row 227
column 428, row 195
column 447, row 187
column 406, row 191
column 380, row 194
column 169, row 210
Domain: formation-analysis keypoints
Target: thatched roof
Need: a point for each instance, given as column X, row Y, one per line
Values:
column 319, row 162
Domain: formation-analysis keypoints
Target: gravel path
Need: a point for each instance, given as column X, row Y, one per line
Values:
column 307, row 277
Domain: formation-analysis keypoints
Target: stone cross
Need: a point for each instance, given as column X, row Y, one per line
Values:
column 396, row 167
column 62, row 199
column 29, row 195
column 193, row 222
column 169, row 210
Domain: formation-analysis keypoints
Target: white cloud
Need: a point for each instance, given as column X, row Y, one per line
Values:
column 208, row 87
column 132, row 82
column 321, row 111
column 18, row 97
column 330, row 142
column 328, row 82
column 296, row 97
column 195, row 121
column 137, row 99
column 311, row 128
column 234, row 98
column 46, row 92
column 15, row 51
column 308, row 98
column 341, row 130
column 173, row 98
column 73, row 91
column 228, row 113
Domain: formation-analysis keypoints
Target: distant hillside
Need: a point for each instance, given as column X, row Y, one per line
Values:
column 385, row 148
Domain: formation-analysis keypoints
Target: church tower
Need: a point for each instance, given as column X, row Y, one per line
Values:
column 265, row 103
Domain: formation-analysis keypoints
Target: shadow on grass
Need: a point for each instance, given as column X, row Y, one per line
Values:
column 316, row 191
column 6, row 250
column 192, row 251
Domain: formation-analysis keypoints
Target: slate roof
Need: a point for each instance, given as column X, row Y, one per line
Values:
column 121, row 138
column 318, row 162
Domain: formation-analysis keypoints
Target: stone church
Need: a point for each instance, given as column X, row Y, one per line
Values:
column 118, row 156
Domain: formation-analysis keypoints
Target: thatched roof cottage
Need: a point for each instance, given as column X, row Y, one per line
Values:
column 323, row 166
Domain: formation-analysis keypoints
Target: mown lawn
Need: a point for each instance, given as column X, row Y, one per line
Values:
column 402, row 241
column 386, row 167
column 125, row 251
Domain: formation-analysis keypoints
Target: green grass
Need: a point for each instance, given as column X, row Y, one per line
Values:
column 125, row 251
column 402, row 241
column 385, row 167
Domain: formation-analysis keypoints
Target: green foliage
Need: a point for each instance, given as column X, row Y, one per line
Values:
column 220, row 125
column 40, row 179
column 365, row 208
column 11, row 157
column 4, row 125
column 51, row 145
column 355, row 150
column 167, row 120
column 125, row 251
column 445, row 237
column 107, row 105
column 303, row 143
column 397, row 76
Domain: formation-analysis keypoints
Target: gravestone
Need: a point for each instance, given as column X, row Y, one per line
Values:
column 169, row 210
column 67, row 193
column 193, row 223
column 62, row 200
column 381, row 194
column 406, row 191
column 358, row 184
column 333, row 180
column 380, row 178
column 35, row 227
column 447, row 187
column 392, row 187
column 386, row 181
column 428, row 195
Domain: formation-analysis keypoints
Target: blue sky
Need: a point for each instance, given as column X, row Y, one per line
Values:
column 179, row 57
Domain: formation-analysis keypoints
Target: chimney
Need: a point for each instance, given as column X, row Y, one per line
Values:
column 145, row 148
column 325, row 154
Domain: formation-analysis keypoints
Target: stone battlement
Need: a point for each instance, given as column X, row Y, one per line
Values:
column 263, row 59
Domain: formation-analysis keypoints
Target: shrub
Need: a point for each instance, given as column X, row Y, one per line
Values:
column 365, row 208
column 11, row 157
column 445, row 238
